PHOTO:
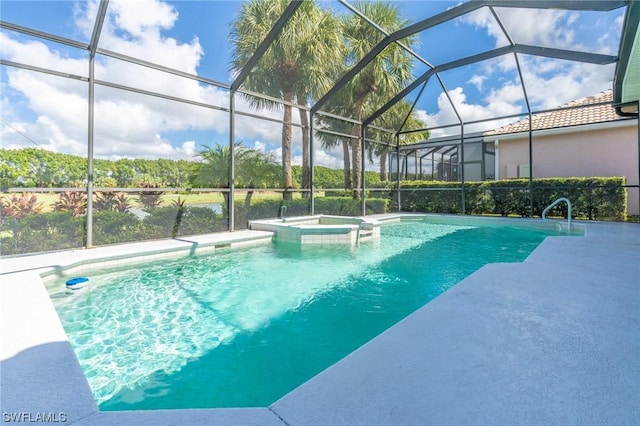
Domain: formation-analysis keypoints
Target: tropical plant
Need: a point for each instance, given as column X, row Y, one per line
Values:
column 111, row 201
column 20, row 205
column 71, row 201
column 297, row 65
column 151, row 198
column 252, row 169
column 179, row 205
column 381, row 78
column 104, row 200
column 122, row 203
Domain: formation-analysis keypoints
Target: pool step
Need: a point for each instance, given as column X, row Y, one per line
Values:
column 364, row 233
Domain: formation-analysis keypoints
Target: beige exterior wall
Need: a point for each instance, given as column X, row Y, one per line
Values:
column 593, row 151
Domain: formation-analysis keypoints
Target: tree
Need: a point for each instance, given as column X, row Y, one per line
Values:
column 383, row 77
column 125, row 172
column 297, row 65
column 253, row 169
column 330, row 140
column 398, row 117
column 323, row 48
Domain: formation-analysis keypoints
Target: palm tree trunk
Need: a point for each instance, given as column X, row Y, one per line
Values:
column 306, row 159
column 225, row 206
column 383, row 164
column 247, row 200
column 286, row 146
column 244, row 217
column 357, row 161
column 356, row 151
column 347, row 164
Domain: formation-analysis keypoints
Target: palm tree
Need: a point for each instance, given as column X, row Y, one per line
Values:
column 383, row 77
column 330, row 140
column 296, row 66
column 322, row 48
column 397, row 118
column 253, row 169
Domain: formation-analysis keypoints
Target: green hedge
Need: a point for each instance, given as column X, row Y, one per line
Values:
column 343, row 206
column 591, row 198
column 59, row 230
column 41, row 232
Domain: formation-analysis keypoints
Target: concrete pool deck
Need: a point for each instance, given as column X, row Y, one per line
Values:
column 552, row 340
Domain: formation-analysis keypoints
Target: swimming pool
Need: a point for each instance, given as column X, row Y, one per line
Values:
column 258, row 322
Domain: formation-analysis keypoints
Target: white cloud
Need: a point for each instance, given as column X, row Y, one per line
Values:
column 130, row 124
column 141, row 17
column 37, row 53
column 541, row 27
column 549, row 83
column 497, row 106
column 478, row 81
column 254, row 128
column 189, row 148
column 330, row 157
column 126, row 124
column 260, row 146
column 566, row 84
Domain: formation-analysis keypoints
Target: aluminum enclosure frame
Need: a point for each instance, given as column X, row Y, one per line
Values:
column 512, row 48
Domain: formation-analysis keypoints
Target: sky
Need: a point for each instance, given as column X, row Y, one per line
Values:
column 40, row 110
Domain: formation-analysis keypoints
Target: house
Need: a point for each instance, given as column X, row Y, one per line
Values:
column 579, row 139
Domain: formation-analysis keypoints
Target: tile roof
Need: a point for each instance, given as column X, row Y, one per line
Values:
column 568, row 115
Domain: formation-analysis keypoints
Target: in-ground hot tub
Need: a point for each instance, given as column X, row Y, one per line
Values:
column 321, row 229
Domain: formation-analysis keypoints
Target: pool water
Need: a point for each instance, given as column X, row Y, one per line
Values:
column 241, row 328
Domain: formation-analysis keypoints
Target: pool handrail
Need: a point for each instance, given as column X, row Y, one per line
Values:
column 559, row 200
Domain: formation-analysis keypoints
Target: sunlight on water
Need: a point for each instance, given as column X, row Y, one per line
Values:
column 127, row 325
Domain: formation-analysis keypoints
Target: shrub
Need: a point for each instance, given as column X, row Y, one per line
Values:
column 42, row 232
column 342, row 206
column 200, row 220
column 122, row 203
column 111, row 227
column 431, row 196
column 591, row 198
column 150, row 199
column 20, row 205
column 166, row 222
column 508, row 196
column 73, row 202
column 104, row 200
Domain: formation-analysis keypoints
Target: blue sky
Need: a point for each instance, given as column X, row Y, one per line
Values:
column 192, row 36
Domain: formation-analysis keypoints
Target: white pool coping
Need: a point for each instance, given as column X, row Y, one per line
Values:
column 552, row 340
column 320, row 229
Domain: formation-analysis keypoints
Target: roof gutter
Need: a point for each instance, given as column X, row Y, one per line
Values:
column 629, row 109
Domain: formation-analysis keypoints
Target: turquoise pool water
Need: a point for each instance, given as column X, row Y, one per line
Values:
column 241, row 328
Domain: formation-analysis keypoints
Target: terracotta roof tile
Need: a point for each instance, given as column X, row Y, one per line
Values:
column 567, row 116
